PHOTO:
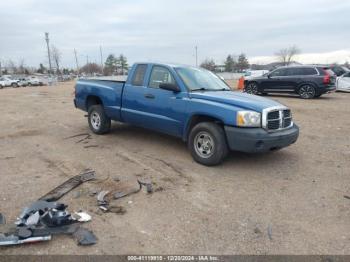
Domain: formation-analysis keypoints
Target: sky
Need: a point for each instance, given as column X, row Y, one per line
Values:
column 169, row 30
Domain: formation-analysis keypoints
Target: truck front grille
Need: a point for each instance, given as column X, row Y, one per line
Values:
column 277, row 118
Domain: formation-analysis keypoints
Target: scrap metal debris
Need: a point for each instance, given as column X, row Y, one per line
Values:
column 148, row 186
column 40, row 220
column 347, row 197
column 269, row 232
column 84, row 237
column 67, row 186
column 2, row 219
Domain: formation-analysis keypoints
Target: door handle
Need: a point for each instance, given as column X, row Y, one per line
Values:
column 149, row 96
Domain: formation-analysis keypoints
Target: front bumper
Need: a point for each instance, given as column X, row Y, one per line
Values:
column 258, row 140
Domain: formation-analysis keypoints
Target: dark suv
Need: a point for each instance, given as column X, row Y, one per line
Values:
column 307, row 81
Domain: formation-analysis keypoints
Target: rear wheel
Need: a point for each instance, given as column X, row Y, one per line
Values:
column 14, row 85
column 207, row 143
column 99, row 123
column 251, row 88
column 307, row 91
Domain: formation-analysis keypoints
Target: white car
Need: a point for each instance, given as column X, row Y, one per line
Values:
column 5, row 81
column 34, row 81
column 343, row 82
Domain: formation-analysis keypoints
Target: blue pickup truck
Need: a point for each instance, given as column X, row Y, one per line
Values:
column 190, row 103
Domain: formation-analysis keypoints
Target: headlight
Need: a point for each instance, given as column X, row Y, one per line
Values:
column 248, row 119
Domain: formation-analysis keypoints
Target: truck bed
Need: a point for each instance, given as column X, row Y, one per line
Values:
column 108, row 92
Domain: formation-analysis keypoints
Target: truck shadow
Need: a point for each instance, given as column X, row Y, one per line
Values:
column 151, row 142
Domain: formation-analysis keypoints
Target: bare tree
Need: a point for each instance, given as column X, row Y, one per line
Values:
column 91, row 69
column 21, row 66
column 12, row 66
column 286, row 55
column 56, row 57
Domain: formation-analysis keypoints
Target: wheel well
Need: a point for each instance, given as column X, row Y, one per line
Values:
column 198, row 119
column 93, row 100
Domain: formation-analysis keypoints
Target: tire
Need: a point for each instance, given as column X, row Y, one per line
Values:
column 99, row 123
column 207, row 144
column 251, row 88
column 318, row 95
column 29, row 84
column 307, row 91
column 1, row 87
column 264, row 94
column 14, row 85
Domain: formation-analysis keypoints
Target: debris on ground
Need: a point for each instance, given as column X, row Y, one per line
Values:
column 84, row 237
column 42, row 219
column 81, row 216
column 347, row 197
column 121, row 194
column 102, row 202
column 68, row 185
column 2, row 219
column 269, row 232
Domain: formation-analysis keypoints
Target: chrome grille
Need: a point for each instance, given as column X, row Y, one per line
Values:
column 277, row 118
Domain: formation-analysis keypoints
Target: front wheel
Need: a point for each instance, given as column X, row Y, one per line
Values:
column 14, row 85
column 99, row 122
column 252, row 88
column 207, row 144
column 307, row 91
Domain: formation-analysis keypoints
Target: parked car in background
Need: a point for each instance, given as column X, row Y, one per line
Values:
column 190, row 103
column 22, row 81
column 255, row 73
column 339, row 70
column 6, row 81
column 34, row 81
column 307, row 81
column 343, row 82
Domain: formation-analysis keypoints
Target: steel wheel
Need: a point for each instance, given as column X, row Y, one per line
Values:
column 204, row 144
column 95, row 120
column 252, row 88
column 307, row 92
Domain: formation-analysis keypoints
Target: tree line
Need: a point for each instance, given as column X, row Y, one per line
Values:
column 231, row 64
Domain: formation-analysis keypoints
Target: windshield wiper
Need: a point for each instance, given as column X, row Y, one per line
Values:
column 210, row 89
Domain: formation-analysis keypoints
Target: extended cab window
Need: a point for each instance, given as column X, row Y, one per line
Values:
column 279, row 72
column 160, row 75
column 139, row 75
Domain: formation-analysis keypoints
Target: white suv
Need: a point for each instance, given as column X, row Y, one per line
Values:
column 5, row 81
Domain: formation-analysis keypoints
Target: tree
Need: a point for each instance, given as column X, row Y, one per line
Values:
column 286, row 55
column 56, row 57
column 42, row 69
column 242, row 63
column 122, row 63
column 12, row 66
column 91, row 68
column 208, row 64
column 110, row 65
column 21, row 66
column 229, row 63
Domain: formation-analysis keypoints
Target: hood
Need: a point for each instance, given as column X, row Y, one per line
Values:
column 238, row 99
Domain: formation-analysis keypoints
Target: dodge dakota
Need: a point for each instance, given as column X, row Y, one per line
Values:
column 190, row 103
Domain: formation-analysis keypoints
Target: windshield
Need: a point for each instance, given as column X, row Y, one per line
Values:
column 201, row 79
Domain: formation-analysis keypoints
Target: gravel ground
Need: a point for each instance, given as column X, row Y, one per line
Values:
column 286, row 202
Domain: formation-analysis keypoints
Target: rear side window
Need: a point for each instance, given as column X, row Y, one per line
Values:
column 308, row 71
column 139, row 75
column 279, row 72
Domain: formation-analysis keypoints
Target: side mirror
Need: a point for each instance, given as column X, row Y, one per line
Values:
column 169, row 87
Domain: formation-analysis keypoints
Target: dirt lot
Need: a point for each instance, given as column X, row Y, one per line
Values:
column 287, row 202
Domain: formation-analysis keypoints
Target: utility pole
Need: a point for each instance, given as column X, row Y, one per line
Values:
column 196, row 49
column 87, row 59
column 101, row 58
column 0, row 69
column 48, row 50
column 76, row 60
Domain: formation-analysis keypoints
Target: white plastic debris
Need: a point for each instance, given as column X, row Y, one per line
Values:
column 81, row 216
